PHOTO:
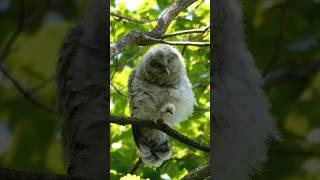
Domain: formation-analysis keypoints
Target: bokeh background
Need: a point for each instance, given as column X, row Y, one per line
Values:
column 283, row 36
column 29, row 134
column 123, row 154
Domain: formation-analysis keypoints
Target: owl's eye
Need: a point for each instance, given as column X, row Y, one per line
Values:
column 171, row 58
column 154, row 63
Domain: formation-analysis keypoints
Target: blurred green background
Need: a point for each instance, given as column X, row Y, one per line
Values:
column 29, row 135
column 123, row 150
column 283, row 36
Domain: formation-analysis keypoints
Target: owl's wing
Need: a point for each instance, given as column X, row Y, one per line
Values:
column 131, row 93
column 131, row 96
column 152, row 144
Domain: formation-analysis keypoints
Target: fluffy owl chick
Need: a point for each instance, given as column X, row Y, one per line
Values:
column 243, row 123
column 159, row 89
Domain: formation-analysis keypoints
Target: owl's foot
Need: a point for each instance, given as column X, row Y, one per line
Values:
column 160, row 121
column 168, row 108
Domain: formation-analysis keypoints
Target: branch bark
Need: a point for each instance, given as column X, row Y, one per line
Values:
column 190, row 31
column 162, row 127
column 141, row 21
column 137, row 37
column 82, row 92
column 202, row 172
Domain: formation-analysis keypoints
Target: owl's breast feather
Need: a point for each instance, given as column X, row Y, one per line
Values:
column 183, row 98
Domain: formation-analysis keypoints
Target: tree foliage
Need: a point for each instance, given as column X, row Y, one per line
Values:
column 281, row 34
column 283, row 38
column 29, row 134
column 123, row 151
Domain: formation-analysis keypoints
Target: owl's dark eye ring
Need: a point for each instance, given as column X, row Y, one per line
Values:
column 154, row 63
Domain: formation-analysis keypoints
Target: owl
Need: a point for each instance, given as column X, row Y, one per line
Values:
column 159, row 88
column 243, row 123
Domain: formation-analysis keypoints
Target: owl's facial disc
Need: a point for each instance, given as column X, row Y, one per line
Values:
column 162, row 67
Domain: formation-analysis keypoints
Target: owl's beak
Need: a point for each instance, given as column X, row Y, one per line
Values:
column 167, row 70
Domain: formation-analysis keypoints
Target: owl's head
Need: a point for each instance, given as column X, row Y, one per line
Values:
column 163, row 65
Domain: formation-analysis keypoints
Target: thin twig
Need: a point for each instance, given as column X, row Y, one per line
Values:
column 38, row 13
column 201, row 172
column 25, row 94
column 279, row 40
column 16, row 33
column 178, row 43
column 41, row 85
column 21, row 25
column 117, row 66
column 117, row 90
column 162, row 127
column 190, row 31
column 141, row 21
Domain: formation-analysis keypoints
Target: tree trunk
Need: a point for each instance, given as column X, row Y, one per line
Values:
column 82, row 92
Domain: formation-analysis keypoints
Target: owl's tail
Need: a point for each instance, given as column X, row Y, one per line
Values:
column 153, row 146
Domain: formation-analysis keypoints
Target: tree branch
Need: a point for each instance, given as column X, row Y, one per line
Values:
column 25, row 94
column 279, row 40
column 190, row 31
column 162, row 127
column 42, row 85
column 16, row 33
column 137, row 37
column 22, row 23
column 170, row 14
column 135, row 166
column 201, row 172
column 177, row 43
column 141, row 21
column 117, row 90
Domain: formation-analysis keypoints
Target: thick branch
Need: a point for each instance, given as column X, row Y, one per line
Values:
column 201, row 172
column 170, row 14
column 137, row 37
column 162, row 127
column 135, row 166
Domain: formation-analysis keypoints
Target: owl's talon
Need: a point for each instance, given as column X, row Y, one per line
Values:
column 160, row 121
column 168, row 108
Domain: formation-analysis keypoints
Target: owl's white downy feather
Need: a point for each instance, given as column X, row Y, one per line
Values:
column 159, row 89
column 243, row 123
